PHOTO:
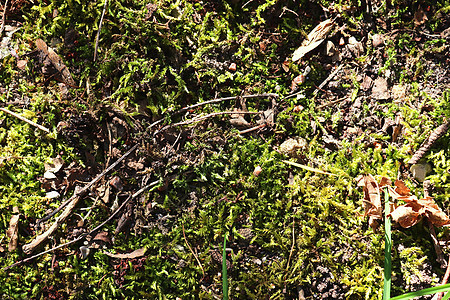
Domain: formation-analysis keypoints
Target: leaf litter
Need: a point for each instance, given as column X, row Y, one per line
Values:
column 357, row 117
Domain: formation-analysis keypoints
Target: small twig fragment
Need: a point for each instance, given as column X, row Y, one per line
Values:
column 99, row 29
column 434, row 136
column 24, row 119
column 438, row 296
column 3, row 18
column 217, row 100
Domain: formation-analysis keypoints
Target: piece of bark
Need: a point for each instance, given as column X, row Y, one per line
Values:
column 13, row 231
column 53, row 64
column 434, row 136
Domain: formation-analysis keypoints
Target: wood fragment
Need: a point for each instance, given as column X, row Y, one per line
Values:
column 13, row 231
column 52, row 60
column 428, row 143
column 24, row 119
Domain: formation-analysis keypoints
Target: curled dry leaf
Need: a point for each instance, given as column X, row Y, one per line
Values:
column 372, row 199
column 314, row 39
column 410, row 213
column 405, row 215
column 401, row 188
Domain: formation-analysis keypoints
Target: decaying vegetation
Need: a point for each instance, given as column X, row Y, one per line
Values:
column 136, row 135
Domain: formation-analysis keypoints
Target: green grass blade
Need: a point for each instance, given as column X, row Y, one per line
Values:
column 224, row 269
column 387, row 248
column 446, row 296
column 307, row 168
column 428, row 291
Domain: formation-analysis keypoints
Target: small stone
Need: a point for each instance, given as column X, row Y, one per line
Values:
column 232, row 67
column 420, row 171
column 52, row 195
column 380, row 90
column 377, row 40
column 291, row 146
column 257, row 171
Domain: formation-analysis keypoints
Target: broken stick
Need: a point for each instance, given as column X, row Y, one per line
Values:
column 71, row 203
column 24, row 119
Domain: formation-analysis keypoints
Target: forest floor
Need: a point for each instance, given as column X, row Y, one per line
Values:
column 156, row 129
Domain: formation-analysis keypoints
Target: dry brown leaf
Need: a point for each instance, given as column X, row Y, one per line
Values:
column 13, row 231
column 385, row 182
column 405, row 215
column 401, row 188
column 49, row 57
column 434, row 214
column 410, row 213
column 372, row 199
column 134, row 254
column 314, row 39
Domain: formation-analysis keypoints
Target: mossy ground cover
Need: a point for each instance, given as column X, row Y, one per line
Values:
column 292, row 233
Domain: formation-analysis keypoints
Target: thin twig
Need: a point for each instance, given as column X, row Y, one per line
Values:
column 25, row 120
column 331, row 76
column 3, row 18
column 99, row 29
column 206, row 117
column 192, row 251
column 290, row 252
column 320, row 86
column 252, row 129
column 331, row 103
column 82, row 236
column 70, row 205
column 217, row 100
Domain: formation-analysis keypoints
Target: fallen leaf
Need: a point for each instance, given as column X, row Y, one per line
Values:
column 102, row 236
column 22, row 63
column 410, row 213
column 51, row 60
column 13, row 231
column 372, row 199
column 401, row 188
column 257, row 171
column 134, row 254
column 55, row 166
column 405, row 215
column 314, row 39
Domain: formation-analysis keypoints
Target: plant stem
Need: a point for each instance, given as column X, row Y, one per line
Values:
column 224, row 269
column 387, row 248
